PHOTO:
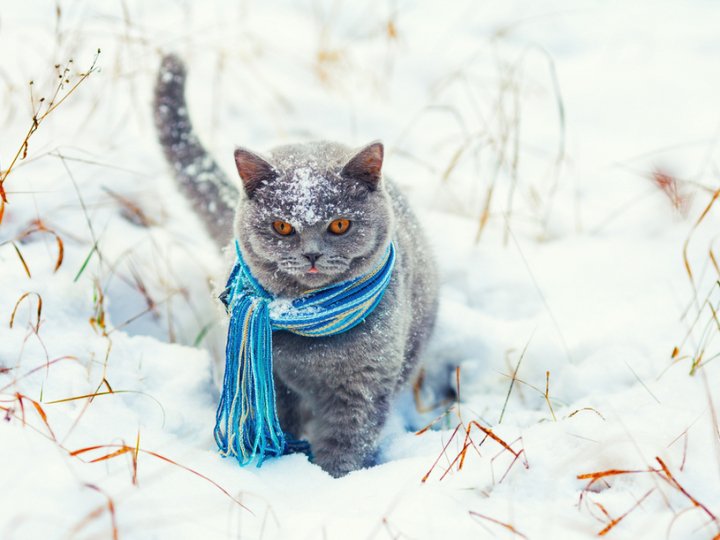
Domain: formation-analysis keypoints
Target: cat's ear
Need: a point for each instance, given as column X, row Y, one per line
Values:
column 253, row 169
column 366, row 165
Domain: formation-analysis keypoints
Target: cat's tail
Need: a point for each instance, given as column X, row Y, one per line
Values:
column 208, row 188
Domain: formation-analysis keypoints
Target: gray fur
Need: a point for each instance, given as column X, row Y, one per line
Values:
column 212, row 194
column 335, row 391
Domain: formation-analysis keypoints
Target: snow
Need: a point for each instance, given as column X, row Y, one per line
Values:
column 305, row 187
column 576, row 281
column 310, row 192
column 283, row 308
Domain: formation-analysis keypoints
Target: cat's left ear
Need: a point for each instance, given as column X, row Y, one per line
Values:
column 366, row 165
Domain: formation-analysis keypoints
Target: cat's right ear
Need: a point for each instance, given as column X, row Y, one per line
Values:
column 366, row 165
column 253, row 170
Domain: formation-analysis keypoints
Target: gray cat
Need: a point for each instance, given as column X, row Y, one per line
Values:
column 311, row 215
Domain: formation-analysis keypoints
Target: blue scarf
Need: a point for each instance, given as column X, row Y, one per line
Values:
column 247, row 425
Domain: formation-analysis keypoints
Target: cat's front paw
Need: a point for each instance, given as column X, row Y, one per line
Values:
column 336, row 468
column 338, row 461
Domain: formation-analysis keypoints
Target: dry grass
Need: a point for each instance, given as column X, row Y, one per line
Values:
column 37, row 226
column 97, row 513
column 487, row 141
column 13, row 406
column 662, row 472
column 696, row 349
column 699, row 345
column 466, row 436
column 23, row 407
column 502, row 524
column 67, row 84
column 672, row 188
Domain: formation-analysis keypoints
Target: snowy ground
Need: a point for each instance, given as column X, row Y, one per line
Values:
column 560, row 113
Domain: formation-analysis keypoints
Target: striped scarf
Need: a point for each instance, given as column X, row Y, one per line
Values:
column 247, row 425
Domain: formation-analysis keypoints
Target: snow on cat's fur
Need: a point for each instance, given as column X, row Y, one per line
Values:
column 336, row 391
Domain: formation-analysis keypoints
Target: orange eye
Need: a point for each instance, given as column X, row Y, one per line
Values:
column 283, row 228
column 339, row 226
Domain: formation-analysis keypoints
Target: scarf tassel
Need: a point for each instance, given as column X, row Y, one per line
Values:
column 247, row 424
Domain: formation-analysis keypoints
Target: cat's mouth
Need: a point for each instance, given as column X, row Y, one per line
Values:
column 314, row 274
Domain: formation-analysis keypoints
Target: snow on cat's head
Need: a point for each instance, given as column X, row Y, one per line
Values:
column 313, row 215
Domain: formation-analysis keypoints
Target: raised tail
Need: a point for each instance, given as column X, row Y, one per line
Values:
column 211, row 193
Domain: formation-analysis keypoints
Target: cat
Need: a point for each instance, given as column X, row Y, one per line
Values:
column 306, row 216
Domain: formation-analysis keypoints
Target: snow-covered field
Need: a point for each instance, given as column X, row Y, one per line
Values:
column 559, row 155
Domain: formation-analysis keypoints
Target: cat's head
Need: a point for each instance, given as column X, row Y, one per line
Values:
column 312, row 215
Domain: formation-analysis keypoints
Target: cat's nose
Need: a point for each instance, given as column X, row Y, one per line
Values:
column 312, row 257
